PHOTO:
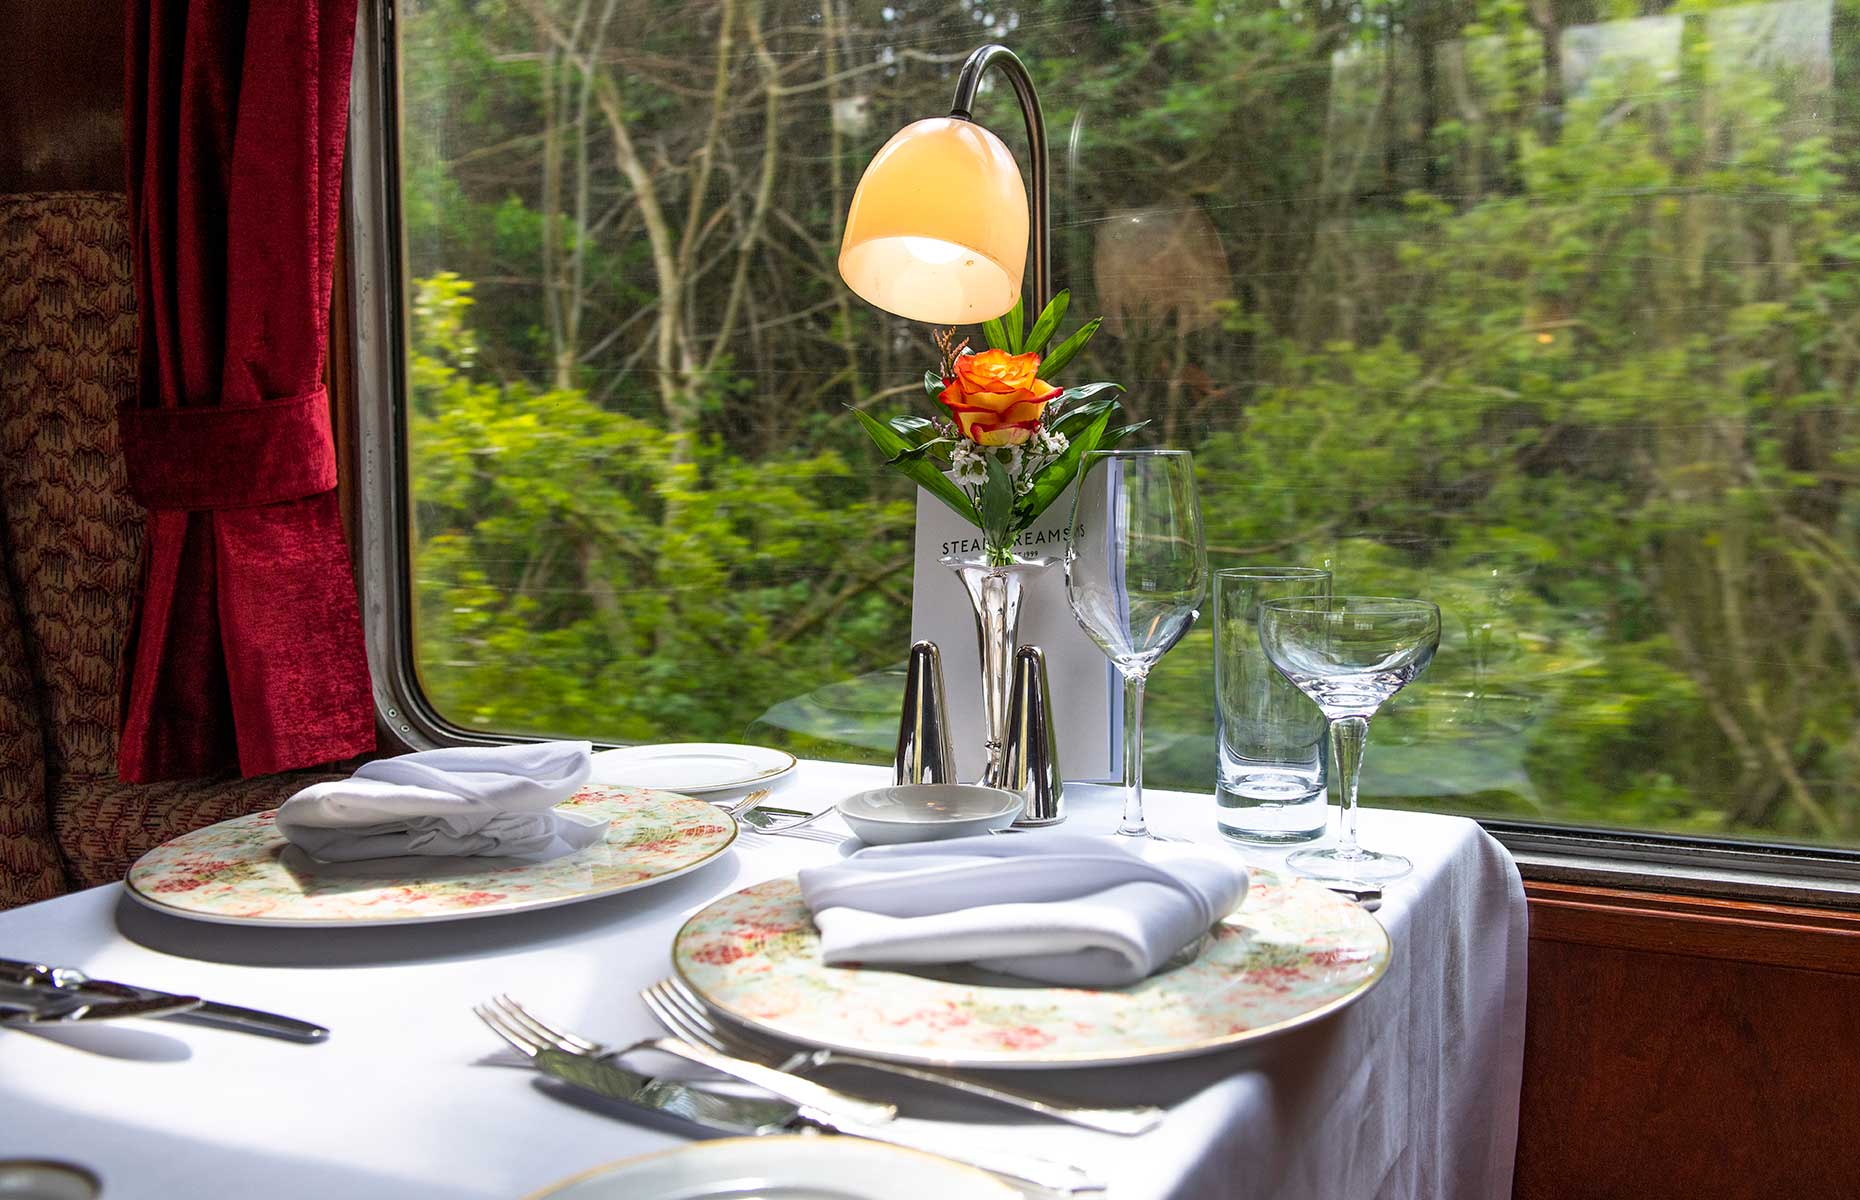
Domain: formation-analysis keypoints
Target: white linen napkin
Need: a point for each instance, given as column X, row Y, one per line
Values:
column 1072, row 909
column 456, row 801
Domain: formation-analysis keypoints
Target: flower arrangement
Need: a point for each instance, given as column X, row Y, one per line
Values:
column 1010, row 440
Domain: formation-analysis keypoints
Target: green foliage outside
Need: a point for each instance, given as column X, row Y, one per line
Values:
column 1565, row 340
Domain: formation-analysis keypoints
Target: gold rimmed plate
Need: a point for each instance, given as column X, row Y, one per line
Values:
column 831, row 1168
column 1294, row 953
column 243, row 872
column 692, row 768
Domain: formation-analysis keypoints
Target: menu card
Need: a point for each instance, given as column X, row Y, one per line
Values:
column 1087, row 696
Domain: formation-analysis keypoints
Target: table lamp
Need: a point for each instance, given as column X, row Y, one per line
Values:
column 937, row 230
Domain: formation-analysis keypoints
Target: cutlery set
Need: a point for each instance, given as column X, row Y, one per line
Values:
column 756, row 817
column 35, row 994
column 593, row 1068
column 678, row 1009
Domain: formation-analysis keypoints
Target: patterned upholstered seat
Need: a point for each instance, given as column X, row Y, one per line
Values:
column 72, row 537
column 30, row 867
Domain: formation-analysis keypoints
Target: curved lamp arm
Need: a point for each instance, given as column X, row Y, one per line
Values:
column 996, row 55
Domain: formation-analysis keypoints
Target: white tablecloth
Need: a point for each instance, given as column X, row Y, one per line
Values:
column 1412, row 1092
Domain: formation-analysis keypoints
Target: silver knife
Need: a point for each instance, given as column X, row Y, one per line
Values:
column 603, row 1076
column 21, row 1005
column 207, row 1012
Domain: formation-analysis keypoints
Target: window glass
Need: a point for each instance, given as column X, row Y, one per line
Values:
column 1549, row 312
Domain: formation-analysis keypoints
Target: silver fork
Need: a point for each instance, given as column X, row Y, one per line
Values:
column 738, row 807
column 505, row 1013
column 531, row 1038
column 780, row 822
column 683, row 1015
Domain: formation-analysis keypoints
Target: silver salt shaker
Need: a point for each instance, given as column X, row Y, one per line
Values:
column 924, row 753
column 1030, row 761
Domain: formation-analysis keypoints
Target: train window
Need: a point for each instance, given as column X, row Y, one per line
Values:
column 1549, row 312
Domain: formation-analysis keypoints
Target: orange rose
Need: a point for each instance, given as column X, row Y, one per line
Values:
column 996, row 397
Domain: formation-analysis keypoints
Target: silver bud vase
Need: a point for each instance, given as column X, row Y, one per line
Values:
column 997, row 591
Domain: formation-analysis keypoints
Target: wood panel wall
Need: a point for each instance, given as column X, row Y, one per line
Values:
column 61, row 96
column 1689, row 1049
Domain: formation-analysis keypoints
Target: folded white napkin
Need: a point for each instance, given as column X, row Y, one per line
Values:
column 1072, row 909
column 456, row 801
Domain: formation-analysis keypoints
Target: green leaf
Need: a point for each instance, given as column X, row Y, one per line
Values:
column 933, row 383
column 1113, row 436
column 920, row 471
column 996, row 333
column 1073, row 399
column 1012, row 322
column 1054, row 476
column 913, row 429
column 1048, row 324
column 1068, row 349
column 913, row 453
column 997, row 502
column 1075, row 422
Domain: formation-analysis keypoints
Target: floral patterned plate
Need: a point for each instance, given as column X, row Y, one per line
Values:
column 243, row 872
column 1292, row 954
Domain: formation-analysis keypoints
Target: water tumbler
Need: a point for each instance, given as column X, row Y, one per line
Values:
column 1271, row 737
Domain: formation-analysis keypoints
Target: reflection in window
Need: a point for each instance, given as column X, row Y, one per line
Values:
column 1548, row 312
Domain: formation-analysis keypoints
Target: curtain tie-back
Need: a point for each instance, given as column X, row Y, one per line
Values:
column 229, row 457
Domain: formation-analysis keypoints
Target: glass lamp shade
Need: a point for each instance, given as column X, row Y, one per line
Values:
column 937, row 230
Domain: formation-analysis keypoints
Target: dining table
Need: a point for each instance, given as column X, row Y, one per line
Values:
column 1411, row 1091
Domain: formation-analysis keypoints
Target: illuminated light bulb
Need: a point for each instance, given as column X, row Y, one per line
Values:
column 931, row 251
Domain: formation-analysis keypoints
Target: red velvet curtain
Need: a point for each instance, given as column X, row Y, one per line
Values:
column 248, row 645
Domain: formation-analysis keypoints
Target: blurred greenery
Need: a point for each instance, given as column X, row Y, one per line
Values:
column 1547, row 311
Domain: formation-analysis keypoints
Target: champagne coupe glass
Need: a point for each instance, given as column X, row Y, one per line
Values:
column 1349, row 654
column 1135, row 573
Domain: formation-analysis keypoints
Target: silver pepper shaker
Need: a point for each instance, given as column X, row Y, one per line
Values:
column 924, row 753
column 1030, row 762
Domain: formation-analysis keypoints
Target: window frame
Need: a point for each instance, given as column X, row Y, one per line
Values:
column 376, row 258
column 1773, row 871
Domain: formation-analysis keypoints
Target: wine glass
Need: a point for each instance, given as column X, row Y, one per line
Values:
column 1135, row 574
column 1349, row 654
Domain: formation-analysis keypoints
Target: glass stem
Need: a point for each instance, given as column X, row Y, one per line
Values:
column 1133, row 824
column 1347, row 737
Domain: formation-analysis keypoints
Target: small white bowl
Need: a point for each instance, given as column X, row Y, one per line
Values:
column 927, row 812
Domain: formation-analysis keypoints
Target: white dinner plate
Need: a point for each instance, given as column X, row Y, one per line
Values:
column 243, row 872
column 781, row 1168
column 692, row 768
column 1293, row 953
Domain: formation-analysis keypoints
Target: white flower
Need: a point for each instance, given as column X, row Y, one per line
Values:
column 967, row 465
column 1045, row 447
